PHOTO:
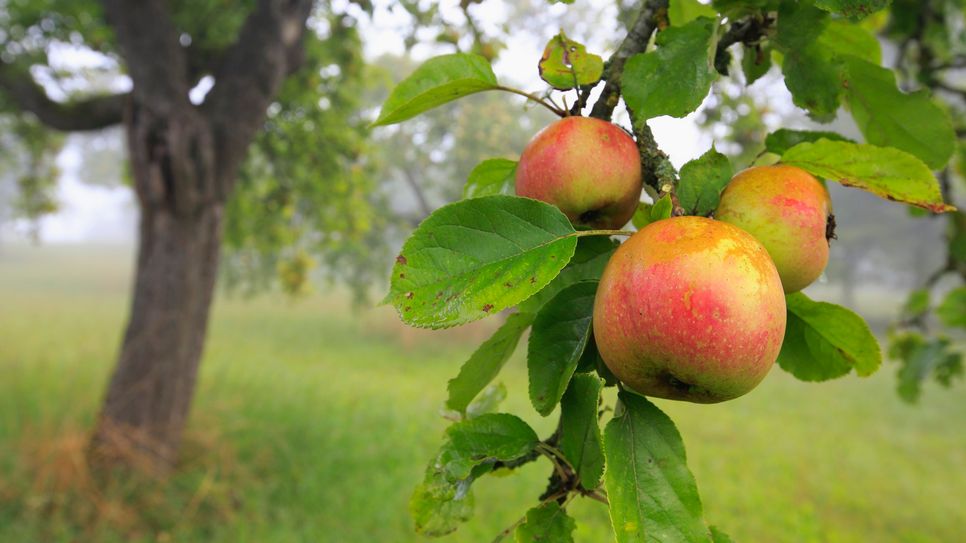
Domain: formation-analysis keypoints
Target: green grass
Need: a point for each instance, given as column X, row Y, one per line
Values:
column 313, row 423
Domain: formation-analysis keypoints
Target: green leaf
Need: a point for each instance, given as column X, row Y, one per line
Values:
column 811, row 72
column 488, row 401
column 811, row 75
column 889, row 173
column 784, row 139
column 796, row 356
column 845, row 38
column 437, row 81
column 590, row 258
column 492, row 176
column 547, row 523
column 890, row 118
column 662, row 209
column 486, row 362
column 952, row 311
column 824, row 341
column 488, row 438
column 438, row 506
column 755, row 62
column 559, row 335
column 674, row 78
column 856, row 9
column 473, row 258
column 444, row 498
column 717, row 536
column 653, row 496
column 566, row 64
column 681, row 12
column 702, row 181
column 738, row 8
column 591, row 357
column 642, row 216
column 580, row 439
column 919, row 359
column 917, row 304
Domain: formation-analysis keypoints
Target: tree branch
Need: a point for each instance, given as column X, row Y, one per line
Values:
column 89, row 114
column 155, row 60
column 651, row 12
column 658, row 171
column 268, row 49
column 747, row 31
column 417, row 191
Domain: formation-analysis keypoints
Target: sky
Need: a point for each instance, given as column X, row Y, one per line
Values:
column 108, row 214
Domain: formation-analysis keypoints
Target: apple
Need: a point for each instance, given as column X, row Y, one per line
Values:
column 789, row 212
column 690, row 308
column 589, row 168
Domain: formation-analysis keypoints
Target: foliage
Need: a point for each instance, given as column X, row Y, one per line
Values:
column 488, row 253
column 931, row 46
column 27, row 169
column 702, row 181
column 307, row 187
column 674, row 78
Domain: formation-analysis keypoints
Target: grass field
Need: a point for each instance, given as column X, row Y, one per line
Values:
column 313, row 423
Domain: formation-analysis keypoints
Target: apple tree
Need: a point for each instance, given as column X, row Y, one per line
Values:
column 199, row 162
column 699, row 299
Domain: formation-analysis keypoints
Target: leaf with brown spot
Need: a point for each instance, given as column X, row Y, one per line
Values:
column 468, row 251
column 566, row 64
column 886, row 172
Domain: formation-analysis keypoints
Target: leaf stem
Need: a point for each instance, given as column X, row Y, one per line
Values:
column 557, row 111
column 597, row 496
column 583, row 233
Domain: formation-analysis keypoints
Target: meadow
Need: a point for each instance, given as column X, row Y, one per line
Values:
column 314, row 420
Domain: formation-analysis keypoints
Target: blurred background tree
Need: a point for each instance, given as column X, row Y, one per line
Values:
column 194, row 84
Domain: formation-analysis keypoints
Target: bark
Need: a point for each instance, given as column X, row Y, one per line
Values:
column 150, row 393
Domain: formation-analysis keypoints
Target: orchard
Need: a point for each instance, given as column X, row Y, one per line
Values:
column 632, row 275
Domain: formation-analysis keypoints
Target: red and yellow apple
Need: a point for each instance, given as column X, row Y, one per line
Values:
column 589, row 168
column 690, row 308
column 788, row 211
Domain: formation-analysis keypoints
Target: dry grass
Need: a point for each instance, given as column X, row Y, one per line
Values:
column 58, row 484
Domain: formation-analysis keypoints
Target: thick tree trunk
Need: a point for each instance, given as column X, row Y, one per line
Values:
column 181, row 201
column 150, row 393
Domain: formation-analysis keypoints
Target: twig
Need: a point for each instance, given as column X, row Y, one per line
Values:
column 509, row 529
column 559, row 112
column 635, row 42
column 658, row 171
column 748, row 31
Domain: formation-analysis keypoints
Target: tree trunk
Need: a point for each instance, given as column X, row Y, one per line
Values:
column 184, row 160
column 150, row 392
